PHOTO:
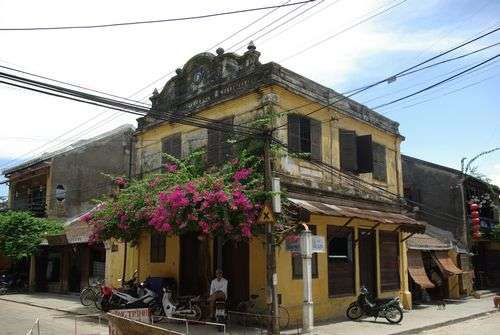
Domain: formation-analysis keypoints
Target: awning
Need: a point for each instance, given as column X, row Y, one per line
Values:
column 407, row 224
column 427, row 242
column 417, row 270
column 445, row 264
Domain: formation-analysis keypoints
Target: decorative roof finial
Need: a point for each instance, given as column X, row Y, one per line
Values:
column 219, row 51
column 251, row 46
column 155, row 92
column 178, row 71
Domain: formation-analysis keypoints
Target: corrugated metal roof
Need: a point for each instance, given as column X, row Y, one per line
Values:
column 427, row 242
column 407, row 223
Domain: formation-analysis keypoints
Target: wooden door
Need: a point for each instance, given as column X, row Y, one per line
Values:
column 189, row 281
column 367, row 262
column 235, row 267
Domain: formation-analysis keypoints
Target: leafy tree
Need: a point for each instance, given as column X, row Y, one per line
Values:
column 21, row 233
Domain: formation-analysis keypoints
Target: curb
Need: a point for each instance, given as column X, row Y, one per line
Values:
column 445, row 323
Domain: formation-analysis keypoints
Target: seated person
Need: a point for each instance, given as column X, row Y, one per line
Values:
column 218, row 291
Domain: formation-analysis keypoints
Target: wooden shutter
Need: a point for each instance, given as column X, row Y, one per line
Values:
column 157, row 247
column 389, row 260
column 218, row 148
column 348, row 150
column 316, row 140
column 341, row 271
column 172, row 145
column 379, row 163
column 294, row 133
column 364, row 153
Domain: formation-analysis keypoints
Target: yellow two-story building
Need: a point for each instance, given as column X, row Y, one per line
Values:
column 349, row 185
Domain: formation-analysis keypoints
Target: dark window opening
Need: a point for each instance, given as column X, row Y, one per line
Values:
column 171, row 145
column 304, row 135
column 341, row 268
column 158, row 246
column 219, row 149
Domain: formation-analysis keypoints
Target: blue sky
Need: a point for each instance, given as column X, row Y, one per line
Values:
column 449, row 126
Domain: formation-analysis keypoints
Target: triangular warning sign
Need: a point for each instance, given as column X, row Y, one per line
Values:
column 266, row 215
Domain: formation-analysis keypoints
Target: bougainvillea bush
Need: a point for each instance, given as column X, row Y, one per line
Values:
column 186, row 197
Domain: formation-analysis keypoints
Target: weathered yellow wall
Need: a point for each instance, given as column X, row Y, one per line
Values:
column 114, row 263
column 169, row 268
column 325, row 307
column 330, row 145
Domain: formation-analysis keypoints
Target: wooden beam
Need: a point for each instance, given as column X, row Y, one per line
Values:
column 375, row 227
column 399, row 227
column 407, row 237
column 348, row 221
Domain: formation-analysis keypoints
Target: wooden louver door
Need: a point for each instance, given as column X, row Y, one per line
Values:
column 189, row 281
column 367, row 261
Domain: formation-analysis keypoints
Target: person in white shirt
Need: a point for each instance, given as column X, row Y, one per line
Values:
column 218, row 290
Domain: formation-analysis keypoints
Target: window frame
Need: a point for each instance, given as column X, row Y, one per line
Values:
column 157, row 247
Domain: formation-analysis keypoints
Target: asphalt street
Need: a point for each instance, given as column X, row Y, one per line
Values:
column 17, row 319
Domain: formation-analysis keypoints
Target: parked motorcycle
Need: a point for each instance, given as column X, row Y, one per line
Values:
column 364, row 305
column 137, row 296
column 185, row 308
column 11, row 283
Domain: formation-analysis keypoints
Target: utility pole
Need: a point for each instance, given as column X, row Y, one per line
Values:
column 307, row 307
column 130, row 163
column 271, row 276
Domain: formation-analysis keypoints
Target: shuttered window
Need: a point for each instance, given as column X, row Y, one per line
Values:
column 389, row 260
column 341, row 265
column 348, row 150
column 171, row 145
column 364, row 153
column 218, row 147
column 304, row 135
column 297, row 262
column 379, row 162
column 157, row 247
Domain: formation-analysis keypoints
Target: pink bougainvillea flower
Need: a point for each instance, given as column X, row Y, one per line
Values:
column 87, row 216
column 170, row 167
column 242, row 174
column 121, row 182
column 234, row 161
column 293, row 238
column 246, row 231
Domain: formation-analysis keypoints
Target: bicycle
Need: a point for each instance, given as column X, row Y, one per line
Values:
column 260, row 316
column 91, row 295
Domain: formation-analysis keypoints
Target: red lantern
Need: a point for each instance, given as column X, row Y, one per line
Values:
column 476, row 221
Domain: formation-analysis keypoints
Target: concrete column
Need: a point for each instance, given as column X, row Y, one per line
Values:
column 64, row 273
column 405, row 297
column 357, row 272
column 32, row 274
column 377, row 261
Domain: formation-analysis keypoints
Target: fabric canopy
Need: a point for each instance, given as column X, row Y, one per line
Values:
column 445, row 264
column 417, row 270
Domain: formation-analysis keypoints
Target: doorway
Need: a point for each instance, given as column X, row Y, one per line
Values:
column 235, row 267
column 367, row 261
column 189, row 279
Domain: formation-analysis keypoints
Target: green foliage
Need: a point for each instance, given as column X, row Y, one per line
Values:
column 21, row 233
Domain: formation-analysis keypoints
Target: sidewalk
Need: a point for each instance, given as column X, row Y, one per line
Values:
column 59, row 302
column 419, row 319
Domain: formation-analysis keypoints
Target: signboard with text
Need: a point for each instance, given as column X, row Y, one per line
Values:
column 318, row 244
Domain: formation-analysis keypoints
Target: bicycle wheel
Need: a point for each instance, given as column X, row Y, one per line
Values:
column 87, row 297
column 284, row 317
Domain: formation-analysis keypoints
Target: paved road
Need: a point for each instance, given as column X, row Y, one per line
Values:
column 17, row 319
column 485, row 325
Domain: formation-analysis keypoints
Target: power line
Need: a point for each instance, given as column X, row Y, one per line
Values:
column 130, row 23
column 390, row 78
column 436, row 84
column 342, row 31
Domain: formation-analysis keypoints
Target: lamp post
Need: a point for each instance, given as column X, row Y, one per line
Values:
column 307, row 307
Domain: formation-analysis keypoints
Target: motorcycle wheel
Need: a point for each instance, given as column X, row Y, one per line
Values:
column 354, row 312
column 157, row 310
column 87, row 297
column 3, row 290
column 197, row 313
column 394, row 314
